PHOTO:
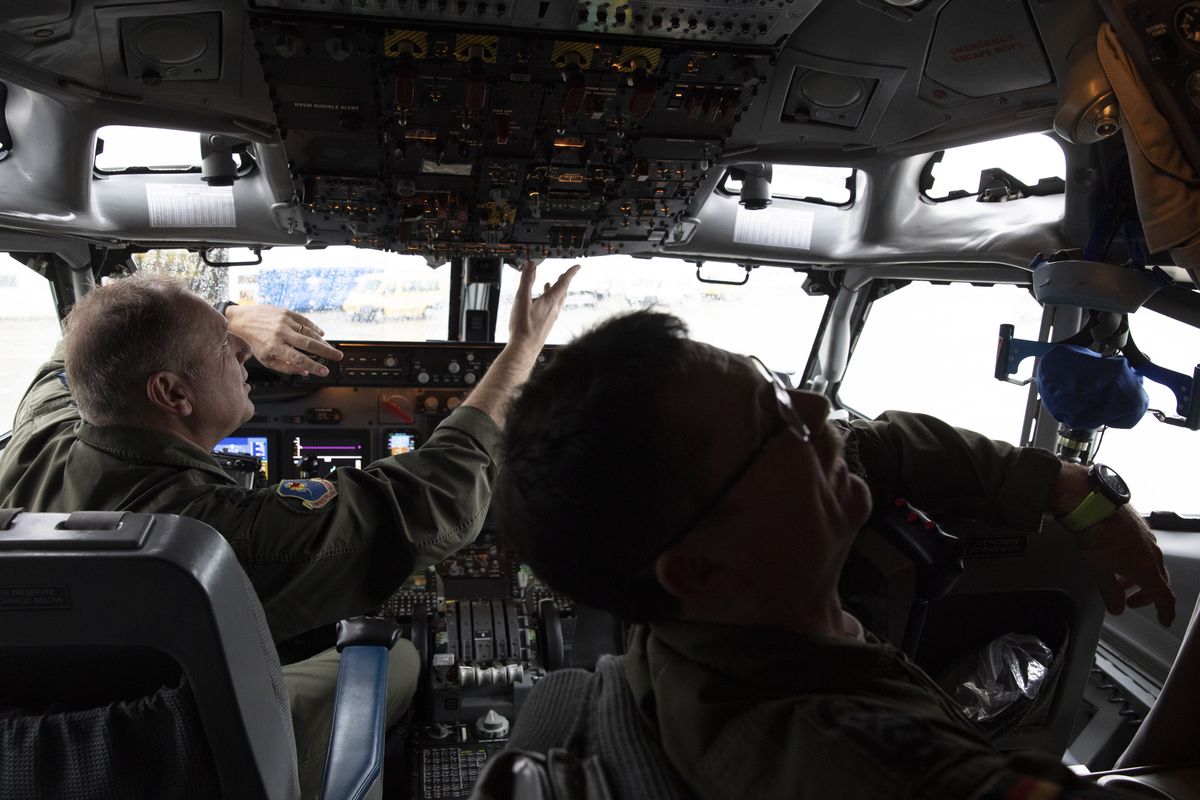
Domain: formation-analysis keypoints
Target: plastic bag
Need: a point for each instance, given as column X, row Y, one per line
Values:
column 1012, row 669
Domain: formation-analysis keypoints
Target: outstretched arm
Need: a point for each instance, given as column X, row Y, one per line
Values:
column 959, row 472
column 528, row 326
column 282, row 340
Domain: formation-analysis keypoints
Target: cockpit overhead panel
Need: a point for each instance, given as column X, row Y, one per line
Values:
column 420, row 135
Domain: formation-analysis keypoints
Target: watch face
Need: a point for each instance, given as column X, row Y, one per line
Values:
column 1110, row 483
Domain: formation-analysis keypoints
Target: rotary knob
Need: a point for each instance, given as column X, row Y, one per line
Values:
column 389, row 361
column 422, row 377
column 453, row 368
column 453, row 403
column 469, row 378
column 430, row 403
column 491, row 725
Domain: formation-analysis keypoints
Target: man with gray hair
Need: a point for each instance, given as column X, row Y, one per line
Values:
column 154, row 378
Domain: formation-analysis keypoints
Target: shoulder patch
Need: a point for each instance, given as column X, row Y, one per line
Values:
column 906, row 745
column 313, row 493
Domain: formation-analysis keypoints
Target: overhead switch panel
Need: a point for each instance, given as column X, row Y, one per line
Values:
column 470, row 142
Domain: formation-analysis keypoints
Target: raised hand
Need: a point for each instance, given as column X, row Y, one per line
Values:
column 532, row 318
column 282, row 340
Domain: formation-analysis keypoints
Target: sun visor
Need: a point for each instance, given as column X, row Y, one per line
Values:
column 1165, row 184
column 1084, row 390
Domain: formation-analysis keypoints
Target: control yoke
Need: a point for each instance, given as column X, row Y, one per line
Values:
column 937, row 559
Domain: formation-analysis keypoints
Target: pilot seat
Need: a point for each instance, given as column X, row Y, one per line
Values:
column 135, row 662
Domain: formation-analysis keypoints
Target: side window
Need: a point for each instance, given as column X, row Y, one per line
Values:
column 28, row 317
column 932, row 349
column 1158, row 460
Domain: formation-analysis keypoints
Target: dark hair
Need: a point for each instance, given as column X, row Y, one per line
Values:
column 582, row 493
column 120, row 333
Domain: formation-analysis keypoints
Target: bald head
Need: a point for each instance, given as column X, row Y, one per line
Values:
column 121, row 333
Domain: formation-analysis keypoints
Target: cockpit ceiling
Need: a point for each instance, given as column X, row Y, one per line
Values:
column 548, row 127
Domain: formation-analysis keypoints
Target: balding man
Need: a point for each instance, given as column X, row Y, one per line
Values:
column 154, row 378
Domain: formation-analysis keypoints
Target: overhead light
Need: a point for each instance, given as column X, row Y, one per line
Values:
column 756, row 185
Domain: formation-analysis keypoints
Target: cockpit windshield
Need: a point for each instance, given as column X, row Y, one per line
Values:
column 364, row 295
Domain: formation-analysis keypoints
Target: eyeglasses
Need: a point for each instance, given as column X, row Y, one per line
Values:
column 788, row 420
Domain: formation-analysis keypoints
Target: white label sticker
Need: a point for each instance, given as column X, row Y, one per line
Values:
column 443, row 659
column 185, row 205
column 775, row 227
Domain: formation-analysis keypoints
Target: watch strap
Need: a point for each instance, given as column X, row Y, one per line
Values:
column 1092, row 509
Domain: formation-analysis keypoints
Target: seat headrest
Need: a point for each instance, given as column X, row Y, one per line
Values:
column 1082, row 389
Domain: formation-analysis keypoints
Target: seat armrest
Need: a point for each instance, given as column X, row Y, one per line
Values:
column 354, row 764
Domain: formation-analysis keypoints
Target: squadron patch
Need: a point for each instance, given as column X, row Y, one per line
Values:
column 314, row 493
column 902, row 743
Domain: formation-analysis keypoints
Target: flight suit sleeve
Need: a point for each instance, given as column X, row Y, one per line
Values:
column 48, row 392
column 952, row 472
column 318, row 551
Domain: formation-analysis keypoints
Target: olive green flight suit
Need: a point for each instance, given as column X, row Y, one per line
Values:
column 315, row 551
column 746, row 712
column 762, row 712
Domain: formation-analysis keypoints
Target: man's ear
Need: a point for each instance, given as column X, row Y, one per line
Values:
column 688, row 575
column 169, row 393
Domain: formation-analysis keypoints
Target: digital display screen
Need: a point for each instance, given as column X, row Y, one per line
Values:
column 321, row 453
column 399, row 442
column 256, row 446
column 417, row 582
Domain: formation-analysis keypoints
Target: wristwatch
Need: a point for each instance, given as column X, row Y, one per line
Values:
column 1108, row 494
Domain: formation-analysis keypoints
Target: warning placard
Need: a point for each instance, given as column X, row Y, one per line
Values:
column 186, row 205
column 33, row 598
column 774, row 227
